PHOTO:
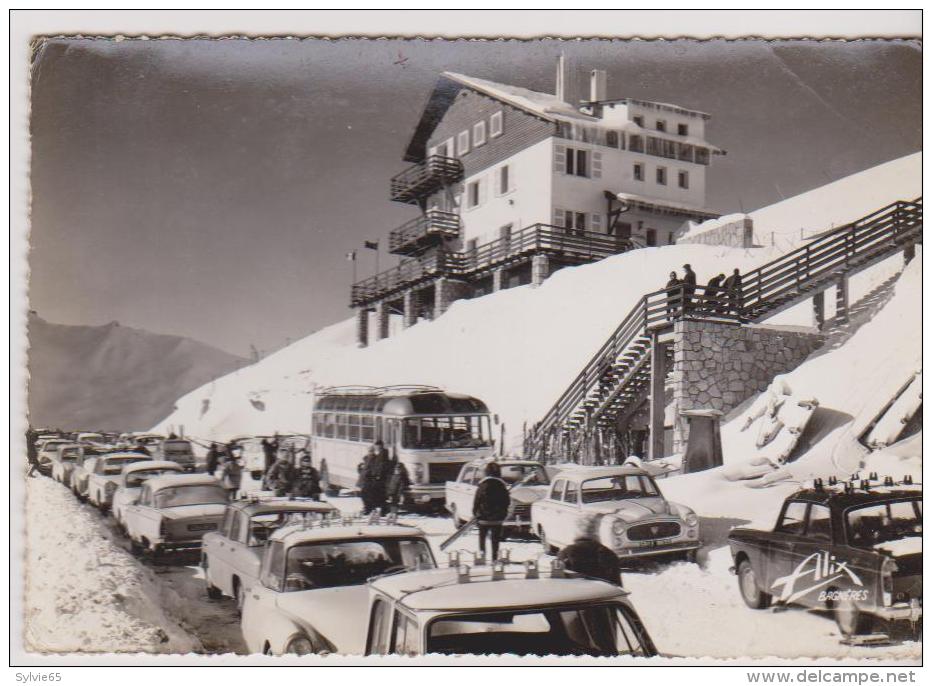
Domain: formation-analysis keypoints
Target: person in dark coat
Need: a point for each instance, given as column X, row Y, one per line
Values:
column 398, row 482
column 490, row 507
column 674, row 295
column 269, row 451
column 281, row 475
column 306, row 480
column 587, row 556
column 732, row 288
column 231, row 475
column 374, row 476
column 32, row 451
column 713, row 291
column 689, row 287
column 213, row 458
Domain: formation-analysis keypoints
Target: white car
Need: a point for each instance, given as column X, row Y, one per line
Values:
column 173, row 513
column 312, row 596
column 637, row 521
column 501, row 609
column 63, row 462
column 46, row 453
column 102, row 479
column 129, row 484
column 231, row 556
column 527, row 480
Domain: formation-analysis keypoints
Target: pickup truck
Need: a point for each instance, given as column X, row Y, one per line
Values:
column 231, row 556
column 102, row 480
column 852, row 548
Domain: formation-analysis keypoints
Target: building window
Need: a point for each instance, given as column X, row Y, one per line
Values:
column 611, row 139
column 478, row 134
column 661, row 125
column 651, row 236
column 638, row 172
column 462, row 142
column 577, row 162
column 579, row 221
column 472, row 193
column 639, row 120
column 702, row 156
column 683, row 179
column 670, row 239
column 662, row 176
column 636, row 143
column 682, row 129
column 495, row 125
column 684, row 152
column 669, row 149
column 504, row 180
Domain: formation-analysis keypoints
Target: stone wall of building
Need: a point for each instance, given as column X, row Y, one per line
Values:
column 718, row 365
column 446, row 291
column 738, row 233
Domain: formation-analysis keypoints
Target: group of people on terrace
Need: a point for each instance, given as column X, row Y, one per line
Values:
column 721, row 295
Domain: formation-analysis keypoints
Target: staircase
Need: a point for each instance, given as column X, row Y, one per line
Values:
column 615, row 381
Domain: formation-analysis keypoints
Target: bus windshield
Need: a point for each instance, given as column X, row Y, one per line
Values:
column 432, row 433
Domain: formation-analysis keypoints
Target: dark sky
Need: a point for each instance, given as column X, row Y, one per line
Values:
column 211, row 188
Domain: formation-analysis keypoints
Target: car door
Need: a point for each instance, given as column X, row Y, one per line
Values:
column 459, row 493
column 568, row 519
column 544, row 511
column 813, row 551
column 784, row 553
column 241, row 556
column 220, row 549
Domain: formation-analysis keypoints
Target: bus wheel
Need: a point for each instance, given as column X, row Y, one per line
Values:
column 329, row 488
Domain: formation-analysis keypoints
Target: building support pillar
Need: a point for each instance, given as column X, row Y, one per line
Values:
column 540, row 269
column 818, row 310
column 446, row 292
column 498, row 277
column 381, row 320
column 656, row 400
column 362, row 327
column 410, row 308
column 841, row 300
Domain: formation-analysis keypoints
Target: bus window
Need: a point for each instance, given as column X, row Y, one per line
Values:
column 446, row 432
column 353, row 427
column 367, row 428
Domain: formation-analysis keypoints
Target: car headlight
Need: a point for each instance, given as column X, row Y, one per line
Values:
column 691, row 520
column 299, row 645
column 618, row 528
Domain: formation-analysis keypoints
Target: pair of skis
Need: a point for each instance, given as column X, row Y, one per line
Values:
column 459, row 533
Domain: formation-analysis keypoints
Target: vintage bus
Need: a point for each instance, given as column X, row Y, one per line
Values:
column 432, row 432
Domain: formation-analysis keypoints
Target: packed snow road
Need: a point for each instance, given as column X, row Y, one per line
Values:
column 126, row 604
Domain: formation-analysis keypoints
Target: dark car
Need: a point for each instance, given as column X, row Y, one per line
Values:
column 853, row 548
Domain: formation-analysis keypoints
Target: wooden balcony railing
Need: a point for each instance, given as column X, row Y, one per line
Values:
column 420, row 180
column 423, row 231
column 406, row 274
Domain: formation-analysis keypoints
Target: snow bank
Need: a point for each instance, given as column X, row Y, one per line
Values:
column 83, row 593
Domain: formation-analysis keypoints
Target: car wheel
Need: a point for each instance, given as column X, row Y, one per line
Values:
column 213, row 592
column 850, row 619
column 542, row 535
column 753, row 597
column 135, row 548
column 692, row 556
column 329, row 489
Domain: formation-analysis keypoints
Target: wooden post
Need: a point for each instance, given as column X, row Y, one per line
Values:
column 818, row 310
column 841, row 300
column 657, row 405
column 362, row 327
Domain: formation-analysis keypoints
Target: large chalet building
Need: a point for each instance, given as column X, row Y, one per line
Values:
column 513, row 184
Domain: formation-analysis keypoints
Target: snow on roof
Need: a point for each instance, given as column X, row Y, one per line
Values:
column 439, row 589
column 171, row 480
column 671, row 204
column 584, row 472
column 317, row 531
column 150, row 464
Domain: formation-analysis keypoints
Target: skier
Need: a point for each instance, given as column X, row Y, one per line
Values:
column 689, row 286
column 281, row 475
column 674, row 293
column 398, row 482
column 490, row 507
column 306, row 480
column 587, row 556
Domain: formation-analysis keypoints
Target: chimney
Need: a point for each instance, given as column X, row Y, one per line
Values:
column 597, row 85
column 562, row 79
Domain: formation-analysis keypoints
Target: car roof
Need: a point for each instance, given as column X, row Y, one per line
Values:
column 121, row 455
column 150, row 464
column 281, row 505
column 328, row 530
column 837, row 497
column 581, row 472
column 506, row 461
column 168, row 480
column 440, row 589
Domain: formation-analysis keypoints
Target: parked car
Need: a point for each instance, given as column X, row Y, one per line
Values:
column 501, row 609
column 81, row 472
column 129, row 483
column 854, row 549
column 231, row 556
column 527, row 480
column 173, row 512
column 637, row 521
column 46, row 453
column 102, row 480
column 311, row 596
column 177, row 450
column 66, row 457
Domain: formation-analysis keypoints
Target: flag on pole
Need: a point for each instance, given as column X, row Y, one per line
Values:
column 351, row 256
column 372, row 245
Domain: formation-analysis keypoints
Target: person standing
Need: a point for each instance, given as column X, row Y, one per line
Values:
column 213, row 458
column 269, row 451
column 374, row 474
column 281, row 475
column 307, row 480
column 490, row 507
column 689, row 287
column 396, row 486
column 232, row 475
column 714, row 293
column 732, row 288
column 674, row 295
column 586, row 555
column 32, row 451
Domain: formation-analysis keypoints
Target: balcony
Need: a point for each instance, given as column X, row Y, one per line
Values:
column 419, row 181
column 421, row 232
column 409, row 273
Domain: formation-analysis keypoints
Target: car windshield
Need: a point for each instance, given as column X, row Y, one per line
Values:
column 618, row 488
column 884, row 522
column 446, row 432
column 135, row 479
column 262, row 525
column 115, row 467
column 176, row 448
column 530, row 474
column 597, row 631
column 70, row 454
column 347, row 563
column 176, row 496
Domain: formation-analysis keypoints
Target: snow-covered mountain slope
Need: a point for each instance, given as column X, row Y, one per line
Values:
column 519, row 348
